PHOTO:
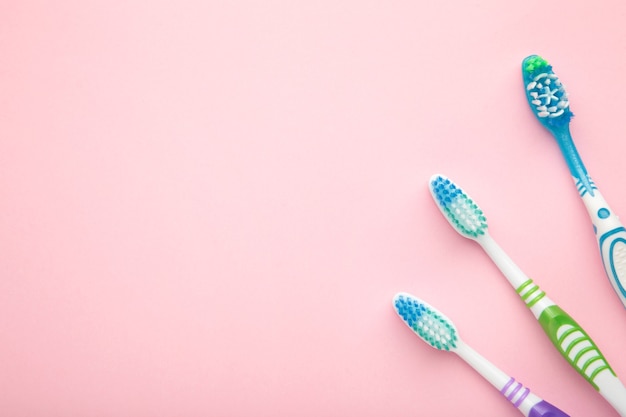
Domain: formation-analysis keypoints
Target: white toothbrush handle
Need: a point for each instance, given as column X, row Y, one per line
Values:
column 529, row 404
column 611, row 237
column 613, row 391
column 513, row 273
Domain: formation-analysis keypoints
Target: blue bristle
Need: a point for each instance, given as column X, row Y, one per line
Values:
column 462, row 213
column 445, row 191
column 432, row 326
column 409, row 310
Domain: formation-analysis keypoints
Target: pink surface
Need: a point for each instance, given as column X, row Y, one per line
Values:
column 206, row 207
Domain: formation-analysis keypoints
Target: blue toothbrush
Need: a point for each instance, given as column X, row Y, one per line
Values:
column 548, row 101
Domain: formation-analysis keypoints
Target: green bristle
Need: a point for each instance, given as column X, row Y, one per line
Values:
column 535, row 63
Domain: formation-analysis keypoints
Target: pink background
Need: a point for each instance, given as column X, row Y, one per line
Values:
column 206, row 207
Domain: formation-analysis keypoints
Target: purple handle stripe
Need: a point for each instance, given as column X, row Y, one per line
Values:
column 515, row 387
column 545, row 409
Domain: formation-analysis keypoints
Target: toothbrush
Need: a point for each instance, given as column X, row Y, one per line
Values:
column 438, row 331
column 567, row 336
column 549, row 102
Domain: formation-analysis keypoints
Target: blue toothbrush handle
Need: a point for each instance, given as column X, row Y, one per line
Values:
column 611, row 237
column 613, row 251
column 610, row 232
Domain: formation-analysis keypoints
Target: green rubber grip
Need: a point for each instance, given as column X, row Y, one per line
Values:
column 574, row 343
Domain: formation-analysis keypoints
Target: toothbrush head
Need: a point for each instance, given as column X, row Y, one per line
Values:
column 429, row 324
column 545, row 93
column 457, row 207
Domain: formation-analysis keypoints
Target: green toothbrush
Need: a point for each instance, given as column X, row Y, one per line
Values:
column 568, row 337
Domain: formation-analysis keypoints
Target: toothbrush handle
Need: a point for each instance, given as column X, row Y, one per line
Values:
column 611, row 237
column 545, row 409
column 581, row 352
column 610, row 232
column 613, row 250
column 567, row 336
column 529, row 404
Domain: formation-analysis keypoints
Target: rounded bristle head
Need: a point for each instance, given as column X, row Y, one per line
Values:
column 428, row 323
column 545, row 93
column 462, row 213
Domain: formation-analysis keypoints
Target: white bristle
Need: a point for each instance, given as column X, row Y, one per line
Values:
column 557, row 114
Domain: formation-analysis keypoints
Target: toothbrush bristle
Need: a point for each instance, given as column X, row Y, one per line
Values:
column 462, row 213
column 545, row 93
column 429, row 324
